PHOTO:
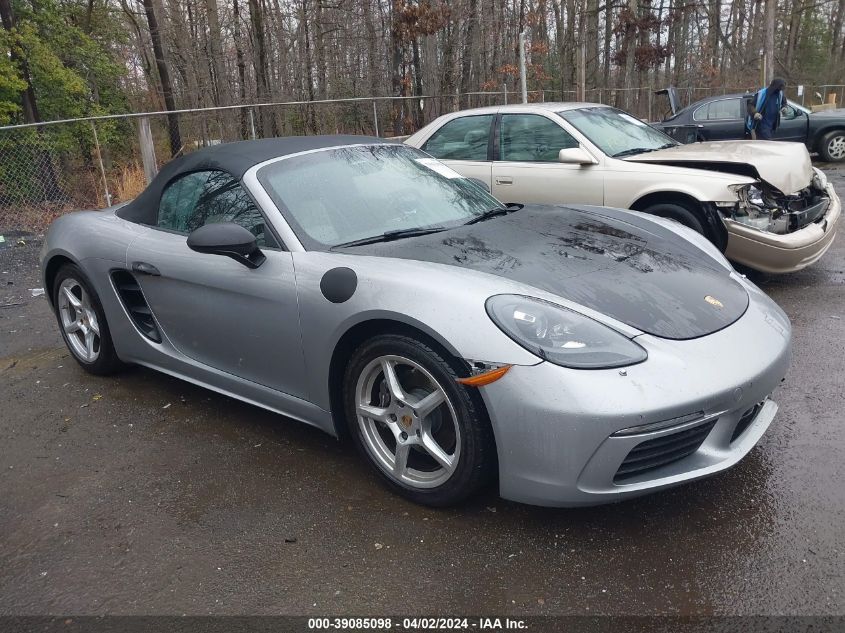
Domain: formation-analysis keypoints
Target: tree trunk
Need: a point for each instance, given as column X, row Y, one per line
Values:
column 713, row 26
column 246, row 132
column 418, row 89
column 215, row 49
column 608, row 31
column 320, row 51
column 559, row 45
column 837, row 47
column 309, row 77
column 593, row 46
column 396, row 84
column 792, row 35
column 164, row 78
column 466, row 58
column 630, row 46
column 256, row 18
column 372, row 55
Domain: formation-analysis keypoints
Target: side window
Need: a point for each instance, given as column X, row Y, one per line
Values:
column 789, row 112
column 178, row 200
column 209, row 197
column 532, row 138
column 719, row 110
column 461, row 139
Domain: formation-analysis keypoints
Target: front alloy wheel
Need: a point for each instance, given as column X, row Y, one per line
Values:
column 407, row 423
column 426, row 435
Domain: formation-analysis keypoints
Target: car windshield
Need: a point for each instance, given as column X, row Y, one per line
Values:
column 334, row 196
column 616, row 133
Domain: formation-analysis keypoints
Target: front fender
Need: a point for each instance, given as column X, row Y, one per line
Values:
column 445, row 303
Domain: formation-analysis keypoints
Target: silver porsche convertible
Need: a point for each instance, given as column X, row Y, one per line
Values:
column 577, row 355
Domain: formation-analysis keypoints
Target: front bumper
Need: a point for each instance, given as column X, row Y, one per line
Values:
column 555, row 427
column 772, row 253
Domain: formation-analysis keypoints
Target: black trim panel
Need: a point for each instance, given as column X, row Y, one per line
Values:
column 133, row 300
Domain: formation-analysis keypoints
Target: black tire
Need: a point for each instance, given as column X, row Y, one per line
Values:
column 831, row 147
column 678, row 212
column 107, row 361
column 477, row 462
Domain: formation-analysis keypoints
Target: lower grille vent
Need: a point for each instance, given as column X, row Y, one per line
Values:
column 133, row 300
column 663, row 450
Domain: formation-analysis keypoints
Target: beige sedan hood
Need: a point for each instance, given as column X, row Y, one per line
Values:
column 785, row 166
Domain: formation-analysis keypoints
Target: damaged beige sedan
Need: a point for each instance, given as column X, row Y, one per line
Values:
column 762, row 203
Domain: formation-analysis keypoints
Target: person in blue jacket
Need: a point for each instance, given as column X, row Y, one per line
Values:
column 764, row 114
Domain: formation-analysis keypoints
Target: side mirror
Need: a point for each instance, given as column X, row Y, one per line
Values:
column 229, row 239
column 576, row 156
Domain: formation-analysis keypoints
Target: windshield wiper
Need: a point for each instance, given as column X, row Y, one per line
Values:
column 640, row 150
column 389, row 236
column 491, row 213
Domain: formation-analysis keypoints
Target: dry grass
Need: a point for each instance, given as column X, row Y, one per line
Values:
column 129, row 183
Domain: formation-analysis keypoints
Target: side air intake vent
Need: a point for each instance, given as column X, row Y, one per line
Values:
column 745, row 421
column 133, row 300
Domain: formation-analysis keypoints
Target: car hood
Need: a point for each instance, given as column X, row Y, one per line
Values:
column 836, row 113
column 785, row 166
column 612, row 261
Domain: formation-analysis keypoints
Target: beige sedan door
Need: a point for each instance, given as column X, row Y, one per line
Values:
column 528, row 170
column 463, row 144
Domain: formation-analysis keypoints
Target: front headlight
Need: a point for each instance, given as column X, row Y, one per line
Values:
column 748, row 194
column 561, row 336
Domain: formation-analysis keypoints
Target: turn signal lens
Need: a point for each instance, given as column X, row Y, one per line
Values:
column 479, row 380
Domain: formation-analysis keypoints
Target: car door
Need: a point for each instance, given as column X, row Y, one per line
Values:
column 464, row 145
column 211, row 308
column 793, row 125
column 721, row 119
column 527, row 169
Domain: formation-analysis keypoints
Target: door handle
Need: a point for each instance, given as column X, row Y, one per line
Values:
column 145, row 269
column 504, row 180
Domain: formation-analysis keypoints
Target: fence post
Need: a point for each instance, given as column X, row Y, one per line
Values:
column 505, row 90
column 375, row 117
column 102, row 168
column 252, row 123
column 148, row 151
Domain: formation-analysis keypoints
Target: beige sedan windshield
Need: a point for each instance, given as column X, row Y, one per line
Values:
column 616, row 133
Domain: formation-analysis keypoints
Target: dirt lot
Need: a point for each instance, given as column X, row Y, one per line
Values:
column 143, row 494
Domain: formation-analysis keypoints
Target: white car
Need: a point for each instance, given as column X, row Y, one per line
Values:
column 762, row 203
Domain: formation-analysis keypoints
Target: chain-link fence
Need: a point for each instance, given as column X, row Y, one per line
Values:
column 51, row 168
column 48, row 169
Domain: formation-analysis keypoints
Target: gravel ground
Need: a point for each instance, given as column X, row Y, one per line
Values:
column 142, row 494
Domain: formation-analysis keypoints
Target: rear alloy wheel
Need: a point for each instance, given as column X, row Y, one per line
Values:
column 419, row 428
column 83, row 323
column 832, row 147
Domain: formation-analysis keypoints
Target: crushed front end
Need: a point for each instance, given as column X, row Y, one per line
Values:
column 778, row 233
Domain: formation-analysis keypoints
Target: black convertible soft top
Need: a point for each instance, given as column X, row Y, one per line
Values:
column 234, row 158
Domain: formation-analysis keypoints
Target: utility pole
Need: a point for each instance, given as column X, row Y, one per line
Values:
column 769, row 42
column 522, row 82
